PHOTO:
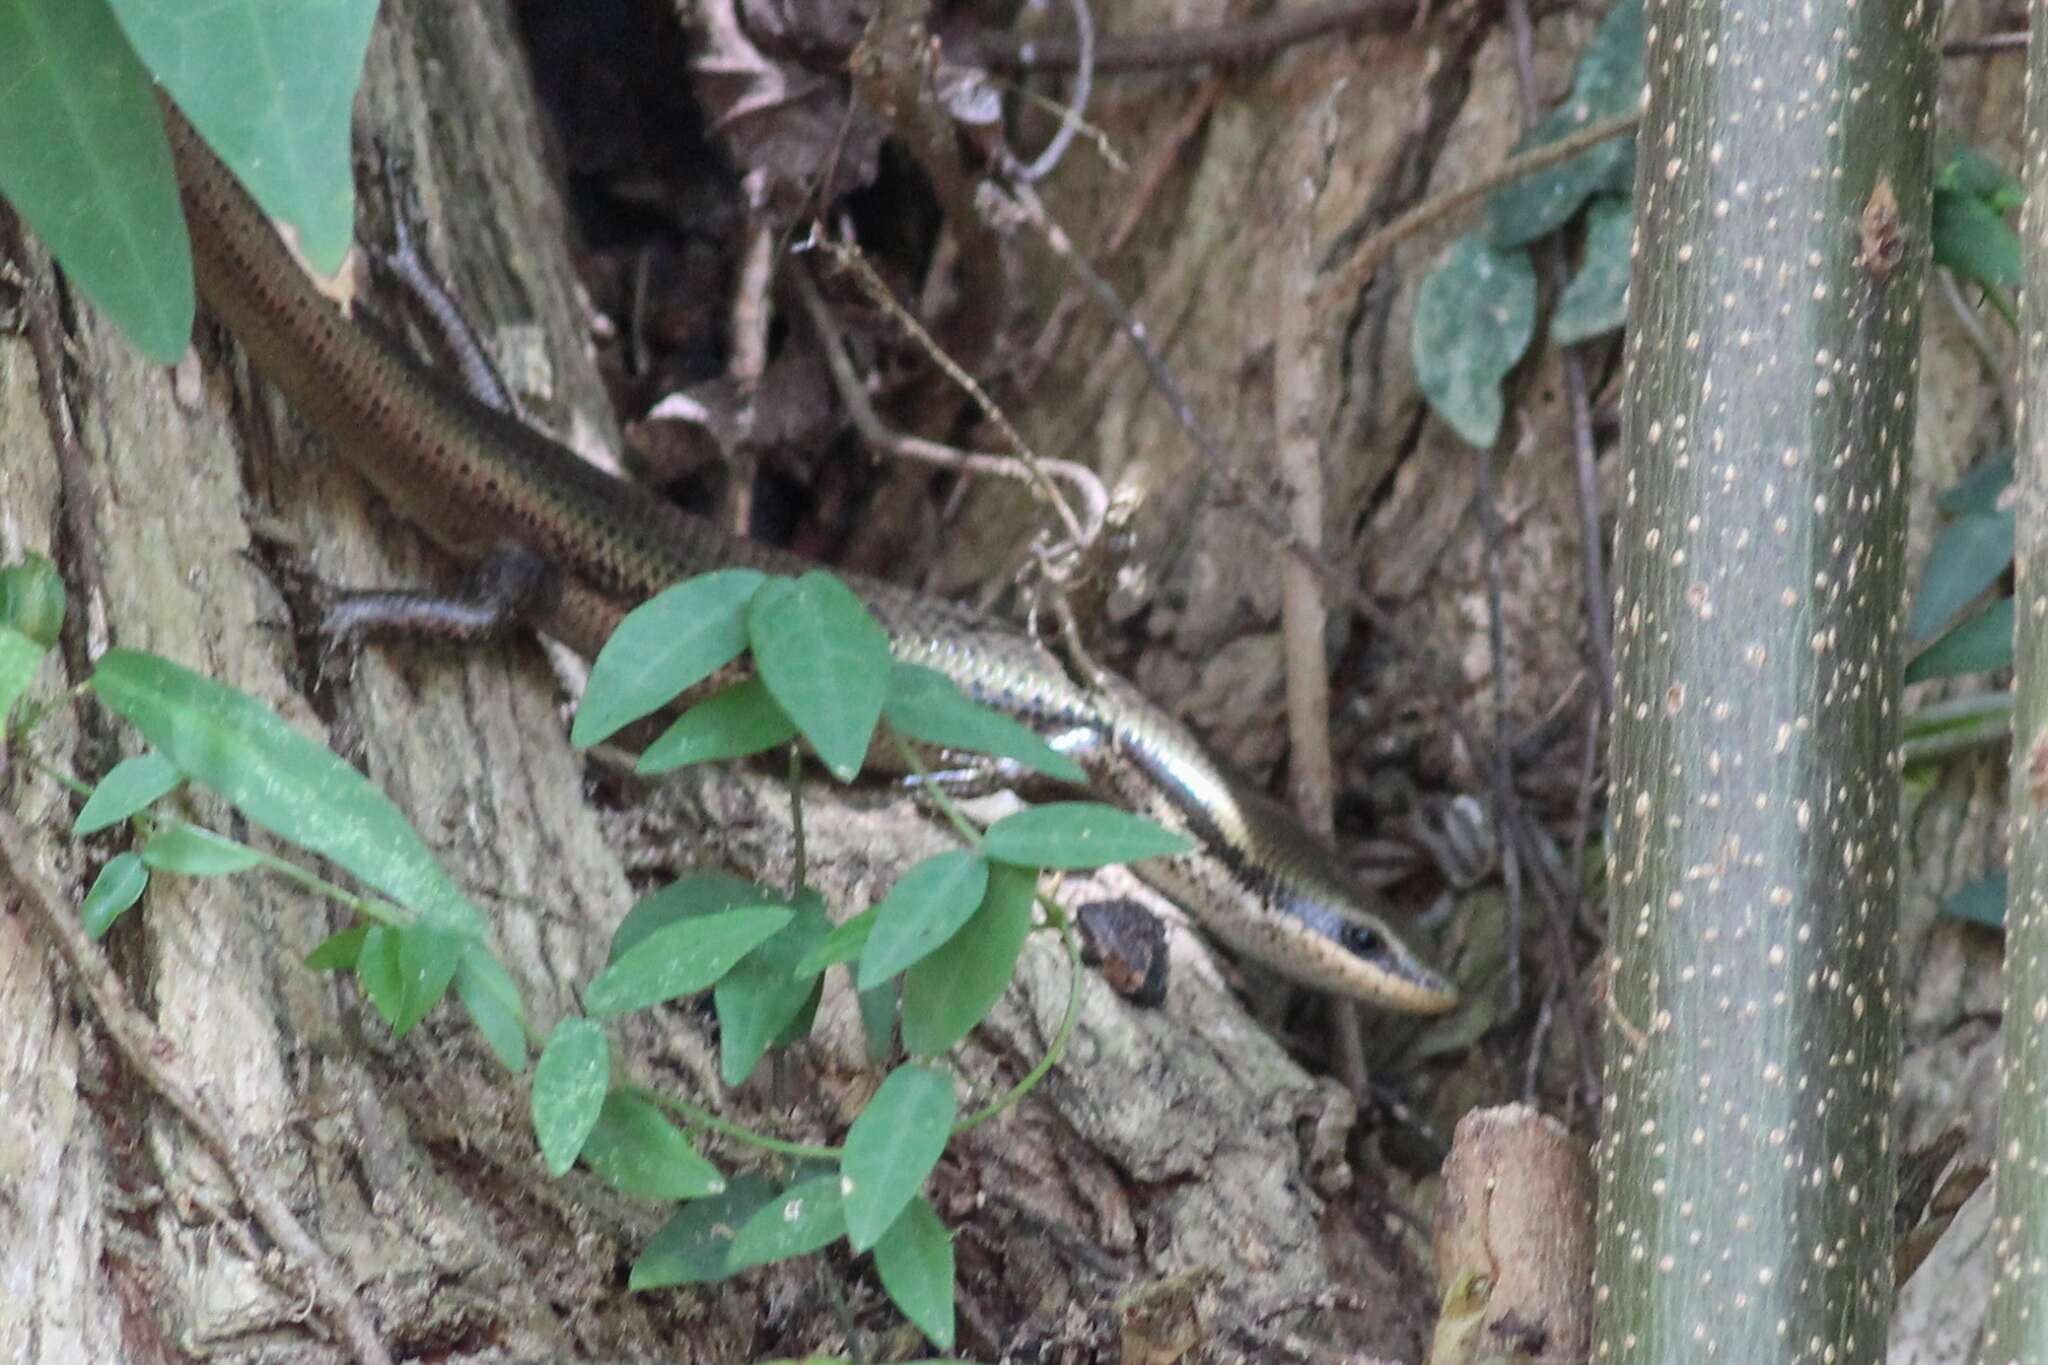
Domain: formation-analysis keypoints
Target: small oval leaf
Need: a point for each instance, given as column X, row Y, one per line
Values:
column 569, row 1085
column 947, row 994
column 1077, row 835
column 687, row 897
column 1596, row 301
column 1969, row 555
column 800, row 1220
column 681, row 959
column 637, row 1151
column 1474, row 317
column 926, row 705
column 191, row 851
column 490, row 995
column 843, row 944
column 426, row 963
column 914, row 1260
column 926, row 907
column 734, row 722
column 1977, row 644
column 665, row 646
column 827, row 662
column 695, row 1246
column 341, row 951
column 120, row 884
column 20, row 658
column 762, row 996
column 892, row 1147
column 132, row 785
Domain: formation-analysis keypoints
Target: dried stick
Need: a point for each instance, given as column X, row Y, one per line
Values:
column 1030, row 469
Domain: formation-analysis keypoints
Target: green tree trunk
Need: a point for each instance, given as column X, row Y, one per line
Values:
column 2016, row 1326
column 1746, row 1170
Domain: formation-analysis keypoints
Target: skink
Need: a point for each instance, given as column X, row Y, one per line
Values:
column 477, row 481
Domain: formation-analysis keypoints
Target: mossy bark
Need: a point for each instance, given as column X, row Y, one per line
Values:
column 1746, row 1167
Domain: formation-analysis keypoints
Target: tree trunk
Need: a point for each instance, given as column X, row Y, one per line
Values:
column 1172, row 1141
column 2015, row 1328
column 1747, row 1166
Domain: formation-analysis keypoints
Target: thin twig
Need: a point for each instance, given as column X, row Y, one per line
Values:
column 1985, row 44
column 1241, row 43
column 1137, row 201
column 155, row 1058
column 1350, row 275
column 1026, row 465
column 1219, row 463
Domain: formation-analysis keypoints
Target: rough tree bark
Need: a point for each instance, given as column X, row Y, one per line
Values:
column 2016, row 1329
column 1177, row 1141
column 1747, row 1166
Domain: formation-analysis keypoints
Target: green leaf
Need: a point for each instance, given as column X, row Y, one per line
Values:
column 407, row 970
column 801, row 1219
column 279, row 779
column 681, row 959
column 665, row 646
column 947, row 994
column 20, row 657
column 132, row 785
column 878, row 1019
column 925, row 705
column 1595, row 302
column 1974, row 172
column 1474, row 317
column 843, row 944
column 339, row 952
column 1609, row 81
column 1981, row 902
column 1977, row 174
column 32, row 600
column 1977, row 644
column 892, row 1147
column 637, row 1151
column 84, row 161
column 758, row 999
column 1980, row 489
column 378, row 971
column 826, row 660
column 914, row 1260
column 271, row 84
column 1974, row 240
column 1969, row 556
column 735, row 722
column 490, row 995
column 569, row 1085
column 1076, row 835
column 926, row 907
column 695, row 1246
column 688, row 897
column 120, row 884
column 191, row 851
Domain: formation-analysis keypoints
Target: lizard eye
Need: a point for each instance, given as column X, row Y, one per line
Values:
column 1362, row 940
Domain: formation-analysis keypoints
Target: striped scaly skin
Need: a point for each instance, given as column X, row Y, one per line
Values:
column 477, row 481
